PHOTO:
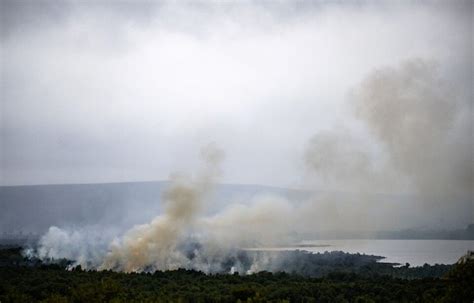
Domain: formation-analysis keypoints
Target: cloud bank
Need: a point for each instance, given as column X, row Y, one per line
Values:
column 107, row 91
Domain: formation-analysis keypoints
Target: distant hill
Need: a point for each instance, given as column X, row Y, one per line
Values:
column 28, row 211
column 34, row 208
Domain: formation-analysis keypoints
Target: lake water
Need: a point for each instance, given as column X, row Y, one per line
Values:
column 415, row 252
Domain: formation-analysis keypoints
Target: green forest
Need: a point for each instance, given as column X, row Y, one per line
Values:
column 343, row 278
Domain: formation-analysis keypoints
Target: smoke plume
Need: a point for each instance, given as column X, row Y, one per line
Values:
column 424, row 125
column 420, row 134
column 155, row 245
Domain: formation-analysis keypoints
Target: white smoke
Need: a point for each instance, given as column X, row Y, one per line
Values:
column 86, row 246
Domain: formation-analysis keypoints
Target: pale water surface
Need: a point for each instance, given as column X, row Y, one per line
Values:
column 415, row 252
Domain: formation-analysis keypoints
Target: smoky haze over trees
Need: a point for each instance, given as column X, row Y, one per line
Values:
column 367, row 108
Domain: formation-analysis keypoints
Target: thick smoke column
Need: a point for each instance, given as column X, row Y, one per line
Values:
column 155, row 245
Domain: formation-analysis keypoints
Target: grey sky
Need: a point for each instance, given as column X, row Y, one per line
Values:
column 128, row 91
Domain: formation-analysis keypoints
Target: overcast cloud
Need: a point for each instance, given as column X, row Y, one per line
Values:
column 129, row 91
